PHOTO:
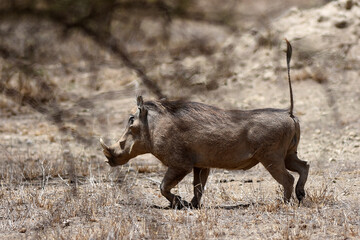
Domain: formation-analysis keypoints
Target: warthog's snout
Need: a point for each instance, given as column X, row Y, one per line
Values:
column 112, row 153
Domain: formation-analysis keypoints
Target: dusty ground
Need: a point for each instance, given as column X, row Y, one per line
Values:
column 55, row 187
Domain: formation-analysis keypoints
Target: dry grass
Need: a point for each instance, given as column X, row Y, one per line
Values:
column 126, row 203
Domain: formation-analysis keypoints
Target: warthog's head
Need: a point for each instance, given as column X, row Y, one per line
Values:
column 133, row 141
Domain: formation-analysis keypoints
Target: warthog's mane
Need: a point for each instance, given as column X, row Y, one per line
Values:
column 186, row 114
column 175, row 107
column 181, row 106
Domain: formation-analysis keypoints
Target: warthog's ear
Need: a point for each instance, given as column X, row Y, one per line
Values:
column 140, row 106
column 139, row 101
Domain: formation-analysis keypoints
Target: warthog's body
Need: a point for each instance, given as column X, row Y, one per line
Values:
column 189, row 136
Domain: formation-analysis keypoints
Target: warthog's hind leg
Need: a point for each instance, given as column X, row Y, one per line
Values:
column 172, row 177
column 281, row 175
column 293, row 163
column 200, row 178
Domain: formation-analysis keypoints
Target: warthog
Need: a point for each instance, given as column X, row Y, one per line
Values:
column 191, row 136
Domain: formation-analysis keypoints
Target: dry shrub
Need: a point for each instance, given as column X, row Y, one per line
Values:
column 322, row 196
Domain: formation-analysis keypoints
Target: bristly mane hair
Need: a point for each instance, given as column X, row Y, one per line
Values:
column 173, row 107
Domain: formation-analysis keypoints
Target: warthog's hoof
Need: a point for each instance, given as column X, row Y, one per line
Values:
column 179, row 204
column 300, row 194
column 194, row 204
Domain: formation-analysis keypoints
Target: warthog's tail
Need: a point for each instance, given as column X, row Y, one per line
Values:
column 288, row 59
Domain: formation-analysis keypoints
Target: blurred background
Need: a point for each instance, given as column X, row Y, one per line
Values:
column 70, row 70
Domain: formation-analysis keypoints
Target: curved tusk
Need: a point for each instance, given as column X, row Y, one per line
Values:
column 103, row 145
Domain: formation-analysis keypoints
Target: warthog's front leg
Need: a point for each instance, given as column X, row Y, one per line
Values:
column 172, row 177
column 200, row 178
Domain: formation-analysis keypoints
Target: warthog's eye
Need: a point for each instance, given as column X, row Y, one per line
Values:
column 131, row 120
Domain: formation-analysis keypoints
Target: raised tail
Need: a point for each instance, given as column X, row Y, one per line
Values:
column 288, row 59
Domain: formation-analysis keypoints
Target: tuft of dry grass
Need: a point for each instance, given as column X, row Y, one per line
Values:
column 322, row 196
